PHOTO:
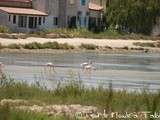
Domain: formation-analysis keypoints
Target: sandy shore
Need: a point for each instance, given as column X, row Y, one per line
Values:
column 113, row 43
column 76, row 41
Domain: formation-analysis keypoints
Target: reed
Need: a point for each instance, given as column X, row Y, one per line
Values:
column 75, row 93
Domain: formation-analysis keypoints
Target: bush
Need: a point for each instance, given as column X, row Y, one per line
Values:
column 88, row 46
column 51, row 45
column 66, row 46
column 48, row 45
column 33, row 45
column 14, row 46
column 1, row 46
column 145, row 44
column 137, row 16
column 4, row 29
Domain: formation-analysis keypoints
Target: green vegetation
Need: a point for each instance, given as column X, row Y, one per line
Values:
column 4, row 29
column 81, row 33
column 48, row 45
column 36, row 45
column 109, row 33
column 137, row 16
column 6, row 113
column 88, row 46
column 75, row 93
column 14, row 46
column 153, row 44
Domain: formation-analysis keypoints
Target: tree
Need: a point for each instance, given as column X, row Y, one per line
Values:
column 136, row 16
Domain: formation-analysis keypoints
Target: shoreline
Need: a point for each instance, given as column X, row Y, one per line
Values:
column 105, row 45
column 60, row 51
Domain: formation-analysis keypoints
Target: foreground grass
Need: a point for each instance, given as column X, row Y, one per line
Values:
column 76, row 94
column 6, row 113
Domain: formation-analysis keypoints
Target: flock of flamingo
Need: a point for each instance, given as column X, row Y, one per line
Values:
column 86, row 67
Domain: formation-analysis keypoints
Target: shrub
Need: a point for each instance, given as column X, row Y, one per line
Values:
column 4, row 112
column 1, row 46
column 14, row 46
column 4, row 29
column 88, row 46
column 145, row 44
column 66, row 46
column 51, row 45
column 33, row 45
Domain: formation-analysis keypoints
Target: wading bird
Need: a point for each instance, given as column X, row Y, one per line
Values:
column 87, row 66
column 51, row 66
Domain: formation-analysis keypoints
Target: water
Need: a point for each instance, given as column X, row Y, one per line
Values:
column 126, row 71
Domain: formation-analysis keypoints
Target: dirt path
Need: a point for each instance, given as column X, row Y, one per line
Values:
column 77, row 41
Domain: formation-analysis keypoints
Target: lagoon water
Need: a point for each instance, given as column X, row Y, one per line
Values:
column 134, row 71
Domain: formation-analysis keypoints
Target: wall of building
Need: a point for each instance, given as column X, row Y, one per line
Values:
column 62, row 13
column 100, row 2
column 72, row 7
column 16, row 4
column 3, row 18
column 83, row 18
column 51, row 7
column 40, row 5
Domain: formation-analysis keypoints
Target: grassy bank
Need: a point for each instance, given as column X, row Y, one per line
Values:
column 75, row 93
column 74, row 33
column 153, row 45
column 84, row 33
column 36, row 45
column 66, row 46
column 6, row 113
column 51, row 45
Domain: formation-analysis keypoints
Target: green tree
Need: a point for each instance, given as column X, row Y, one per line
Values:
column 138, row 16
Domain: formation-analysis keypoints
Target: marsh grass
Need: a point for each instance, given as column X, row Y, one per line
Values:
column 153, row 44
column 88, row 46
column 76, row 93
column 36, row 45
column 14, row 46
column 84, row 33
column 8, row 113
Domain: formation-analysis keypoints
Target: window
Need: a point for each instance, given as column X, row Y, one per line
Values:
column 55, row 21
column 39, row 21
column 9, row 18
column 14, row 19
column 22, row 21
column 83, row 2
column 32, row 22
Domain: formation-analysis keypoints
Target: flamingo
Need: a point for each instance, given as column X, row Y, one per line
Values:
column 51, row 66
column 87, row 66
column 86, row 63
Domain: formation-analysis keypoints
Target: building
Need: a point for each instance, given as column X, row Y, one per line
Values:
column 33, row 15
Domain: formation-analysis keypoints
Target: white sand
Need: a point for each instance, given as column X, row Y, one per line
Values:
column 76, row 41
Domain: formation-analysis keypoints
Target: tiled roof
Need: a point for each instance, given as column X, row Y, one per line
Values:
column 93, row 6
column 26, row 1
column 22, row 11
